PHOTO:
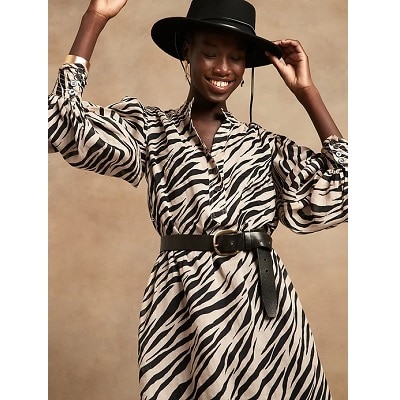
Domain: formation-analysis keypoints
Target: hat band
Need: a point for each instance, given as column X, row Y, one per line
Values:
column 248, row 27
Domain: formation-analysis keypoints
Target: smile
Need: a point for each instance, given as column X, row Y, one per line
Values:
column 219, row 84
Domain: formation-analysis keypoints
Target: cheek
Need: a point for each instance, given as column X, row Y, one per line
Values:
column 241, row 68
column 201, row 67
column 239, row 71
column 206, row 64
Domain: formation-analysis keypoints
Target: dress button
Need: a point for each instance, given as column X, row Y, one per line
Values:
column 71, row 92
column 73, row 83
column 339, row 153
column 341, row 161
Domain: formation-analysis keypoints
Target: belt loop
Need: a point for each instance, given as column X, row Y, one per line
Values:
column 248, row 240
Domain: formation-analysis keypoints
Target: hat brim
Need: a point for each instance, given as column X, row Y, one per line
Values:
column 169, row 35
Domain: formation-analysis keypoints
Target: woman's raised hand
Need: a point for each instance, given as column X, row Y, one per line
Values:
column 106, row 8
column 293, row 67
column 93, row 21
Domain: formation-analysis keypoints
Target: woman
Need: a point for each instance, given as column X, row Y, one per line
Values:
column 220, row 317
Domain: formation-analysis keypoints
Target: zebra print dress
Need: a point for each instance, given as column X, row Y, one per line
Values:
column 203, row 333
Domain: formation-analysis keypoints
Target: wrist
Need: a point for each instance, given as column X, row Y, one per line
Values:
column 308, row 96
column 306, row 93
column 94, row 20
column 91, row 13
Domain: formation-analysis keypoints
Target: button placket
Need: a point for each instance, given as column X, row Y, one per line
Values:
column 217, row 199
column 216, row 159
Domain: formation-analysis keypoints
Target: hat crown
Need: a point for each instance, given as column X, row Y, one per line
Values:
column 237, row 13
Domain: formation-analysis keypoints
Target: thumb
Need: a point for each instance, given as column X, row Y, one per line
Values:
column 278, row 63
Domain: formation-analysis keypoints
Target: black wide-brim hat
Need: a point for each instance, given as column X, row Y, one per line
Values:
column 236, row 16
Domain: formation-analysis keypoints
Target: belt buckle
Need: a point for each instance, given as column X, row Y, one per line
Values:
column 215, row 244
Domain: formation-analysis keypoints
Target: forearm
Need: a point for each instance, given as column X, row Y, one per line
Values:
column 311, row 100
column 92, row 24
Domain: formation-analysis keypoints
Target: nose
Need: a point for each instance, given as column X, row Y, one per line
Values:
column 222, row 66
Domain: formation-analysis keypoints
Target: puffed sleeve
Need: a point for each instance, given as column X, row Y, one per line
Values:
column 106, row 140
column 312, row 187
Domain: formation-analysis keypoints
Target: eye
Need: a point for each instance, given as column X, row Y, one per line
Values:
column 237, row 57
column 209, row 55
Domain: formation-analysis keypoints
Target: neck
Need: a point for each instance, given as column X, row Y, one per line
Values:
column 206, row 110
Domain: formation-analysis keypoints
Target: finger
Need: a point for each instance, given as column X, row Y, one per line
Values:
column 287, row 42
column 292, row 46
column 278, row 63
column 274, row 59
column 292, row 52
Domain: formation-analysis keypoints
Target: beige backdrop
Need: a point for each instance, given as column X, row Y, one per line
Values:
column 101, row 243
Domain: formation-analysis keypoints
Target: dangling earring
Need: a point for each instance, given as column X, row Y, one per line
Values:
column 186, row 69
column 242, row 83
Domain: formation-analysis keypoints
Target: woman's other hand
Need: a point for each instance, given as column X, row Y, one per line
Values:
column 293, row 67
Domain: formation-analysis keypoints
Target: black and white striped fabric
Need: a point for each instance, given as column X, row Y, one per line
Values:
column 203, row 333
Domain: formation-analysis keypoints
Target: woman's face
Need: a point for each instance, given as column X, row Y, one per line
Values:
column 217, row 64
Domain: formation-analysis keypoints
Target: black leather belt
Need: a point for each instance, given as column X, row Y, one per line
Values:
column 228, row 243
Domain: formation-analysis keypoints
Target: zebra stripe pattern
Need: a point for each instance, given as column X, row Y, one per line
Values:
column 203, row 333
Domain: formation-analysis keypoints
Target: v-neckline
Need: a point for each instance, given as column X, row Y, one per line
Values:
column 206, row 131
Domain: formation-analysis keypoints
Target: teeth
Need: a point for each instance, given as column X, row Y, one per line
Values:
column 219, row 84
